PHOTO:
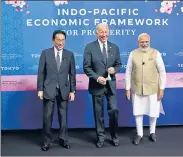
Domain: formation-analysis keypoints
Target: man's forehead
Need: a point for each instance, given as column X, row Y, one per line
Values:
column 60, row 35
column 103, row 28
column 145, row 37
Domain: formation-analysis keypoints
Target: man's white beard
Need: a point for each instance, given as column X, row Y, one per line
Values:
column 145, row 49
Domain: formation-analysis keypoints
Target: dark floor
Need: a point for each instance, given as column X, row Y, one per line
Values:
column 27, row 143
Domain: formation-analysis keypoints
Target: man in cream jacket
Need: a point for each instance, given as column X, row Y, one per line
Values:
column 145, row 80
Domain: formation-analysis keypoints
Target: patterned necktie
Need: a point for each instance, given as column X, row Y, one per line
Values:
column 58, row 60
column 104, row 52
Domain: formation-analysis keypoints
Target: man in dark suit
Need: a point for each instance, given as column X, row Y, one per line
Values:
column 56, row 81
column 101, row 63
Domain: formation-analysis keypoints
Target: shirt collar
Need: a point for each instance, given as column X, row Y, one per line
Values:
column 55, row 50
column 102, row 43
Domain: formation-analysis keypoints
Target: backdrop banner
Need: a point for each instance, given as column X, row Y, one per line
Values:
column 27, row 28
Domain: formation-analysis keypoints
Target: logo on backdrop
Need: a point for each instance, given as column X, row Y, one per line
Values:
column 163, row 54
column 79, row 60
column 180, row 65
column 180, row 79
column 10, row 68
column 179, row 54
column 35, row 55
column 12, row 56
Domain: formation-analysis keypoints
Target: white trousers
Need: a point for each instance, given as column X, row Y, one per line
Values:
column 139, row 124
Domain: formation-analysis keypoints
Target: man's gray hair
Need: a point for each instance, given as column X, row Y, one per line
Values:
column 143, row 34
column 100, row 25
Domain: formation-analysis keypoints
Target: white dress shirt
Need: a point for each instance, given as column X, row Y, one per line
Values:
column 60, row 54
column 101, row 45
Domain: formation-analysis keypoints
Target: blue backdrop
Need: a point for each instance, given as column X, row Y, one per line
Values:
column 27, row 29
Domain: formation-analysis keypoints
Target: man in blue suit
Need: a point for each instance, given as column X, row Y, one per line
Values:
column 56, row 81
column 101, row 63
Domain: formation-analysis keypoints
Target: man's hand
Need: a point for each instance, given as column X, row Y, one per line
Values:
column 160, row 94
column 101, row 80
column 40, row 94
column 128, row 95
column 111, row 70
column 71, row 96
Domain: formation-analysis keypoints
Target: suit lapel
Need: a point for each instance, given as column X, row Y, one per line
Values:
column 99, row 51
column 52, row 58
column 109, row 50
column 64, row 60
